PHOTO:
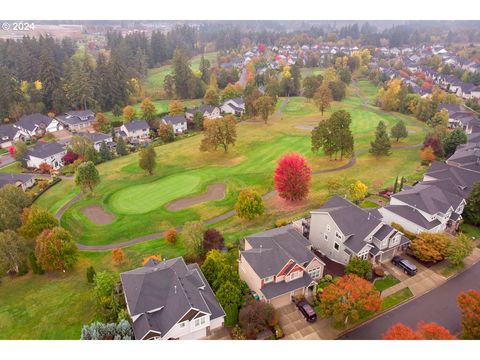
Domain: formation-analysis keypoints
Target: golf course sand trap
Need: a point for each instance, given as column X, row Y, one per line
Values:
column 97, row 215
column 214, row 192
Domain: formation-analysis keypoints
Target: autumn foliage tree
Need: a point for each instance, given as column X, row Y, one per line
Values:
column 430, row 247
column 219, row 133
column 157, row 258
column 292, row 177
column 469, row 303
column 323, row 97
column 171, row 235
column 249, row 204
column 118, row 256
column 213, row 239
column 427, row 154
column 175, row 108
column 148, row 109
column 129, row 113
column 347, row 297
column 425, row 331
column 264, row 107
column 34, row 221
column 56, row 250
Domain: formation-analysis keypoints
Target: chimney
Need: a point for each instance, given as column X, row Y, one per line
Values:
column 175, row 288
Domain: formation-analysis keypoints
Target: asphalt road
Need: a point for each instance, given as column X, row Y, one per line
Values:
column 439, row 305
column 6, row 159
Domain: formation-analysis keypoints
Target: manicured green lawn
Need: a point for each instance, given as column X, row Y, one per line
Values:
column 396, row 298
column 366, row 204
column 311, row 71
column 13, row 168
column 385, row 283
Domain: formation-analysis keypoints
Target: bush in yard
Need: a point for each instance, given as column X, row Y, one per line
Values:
column 249, row 204
column 111, row 331
column 280, row 223
column 108, row 301
column 45, row 168
column 35, row 220
column 157, row 258
column 69, row 157
column 237, row 333
column 229, row 293
column 359, row 267
column 292, row 177
column 231, row 314
column 56, row 250
column 472, row 209
column 255, row 317
column 193, row 238
column 118, row 256
column 430, row 247
column 458, row 249
column 171, row 235
column 469, row 303
column 425, row 331
column 213, row 239
column 36, row 269
column 90, row 274
column 348, row 297
column 378, row 271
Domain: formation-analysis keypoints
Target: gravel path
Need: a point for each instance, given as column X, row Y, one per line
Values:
column 218, row 218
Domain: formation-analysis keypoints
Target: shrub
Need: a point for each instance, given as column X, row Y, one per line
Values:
column 407, row 233
column 277, row 330
column 213, row 239
column 249, row 204
column 36, row 269
column 231, row 314
column 281, row 222
column 171, row 235
column 151, row 257
column 45, row 168
column 90, row 274
column 359, row 267
column 118, row 256
column 237, row 333
column 111, row 331
column 378, row 271
column 430, row 247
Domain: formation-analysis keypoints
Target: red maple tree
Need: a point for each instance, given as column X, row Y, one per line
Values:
column 469, row 303
column 292, row 177
column 348, row 297
column 425, row 331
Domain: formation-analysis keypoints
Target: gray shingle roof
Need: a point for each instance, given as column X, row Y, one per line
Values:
column 413, row 215
column 271, row 250
column 174, row 120
column 462, row 179
column 136, row 124
column 43, row 150
column 273, row 290
column 76, row 117
column 6, row 178
column 96, row 137
column 164, row 292
column 7, row 132
column 29, row 122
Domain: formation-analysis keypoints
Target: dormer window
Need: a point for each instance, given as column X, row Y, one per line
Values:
column 268, row 280
column 337, row 235
column 295, row 275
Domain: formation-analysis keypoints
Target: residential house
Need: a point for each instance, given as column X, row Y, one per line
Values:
column 466, row 156
column 341, row 230
column 178, row 122
column 208, row 112
column 234, row 106
column 51, row 153
column 9, row 134
column 278, row 265
column 98, row 138
column 23, row 181
column 459, row 117
column 36, row 125
column 135, row 131
column 77, row 120
column 170, row 300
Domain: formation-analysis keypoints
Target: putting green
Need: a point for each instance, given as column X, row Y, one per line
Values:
column 141, row 199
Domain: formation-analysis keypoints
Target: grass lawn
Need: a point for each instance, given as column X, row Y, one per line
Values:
column 470, row 230
column 367, row 204
column 396, row 298
column 385, row 283
column 56, row 306
column 311, row 71
column 153, row 82
column 14, row 168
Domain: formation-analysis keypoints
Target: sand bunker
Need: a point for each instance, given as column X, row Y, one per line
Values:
column 305, row 127
column 97, row 215
column 214, row 192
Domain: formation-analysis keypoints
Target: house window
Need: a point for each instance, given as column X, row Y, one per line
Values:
column 200, row 321
column 328, row 227
column 182, row 324
column 363, row 255
column 268, row 280
column 315, row 273
column 337, row 235
column 295, row 275
column 325, row 236
column 336, row 246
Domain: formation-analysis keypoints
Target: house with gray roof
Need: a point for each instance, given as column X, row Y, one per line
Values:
column 208, row 112
column 466, row 156
column 98, row 138
column 278, row 265
column 23, row 181
column 135, row 131
column 178, row 122
column 170, row 300
column 9, row 134
column 234, row 106
column 37, row 125
column 341, row 230
column 76, row 120
column 51, row 153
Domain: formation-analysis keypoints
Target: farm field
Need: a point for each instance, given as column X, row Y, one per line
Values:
column 138, row 203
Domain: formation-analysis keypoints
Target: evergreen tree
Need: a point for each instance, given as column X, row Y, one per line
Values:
column 121, row 147
column 182, row 74
column 204, row 68
column 104, row 152
column 381, row 145
column 49, row 76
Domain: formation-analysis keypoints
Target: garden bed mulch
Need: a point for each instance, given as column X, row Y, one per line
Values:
column 214, row 192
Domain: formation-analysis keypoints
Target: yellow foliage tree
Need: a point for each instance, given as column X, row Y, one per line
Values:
column 388, row 98
column 357, row 191
column 151, row 257
column 129, row 113
column 175, row 107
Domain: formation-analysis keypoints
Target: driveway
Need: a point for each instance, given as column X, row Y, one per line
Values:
column 295, row 327
column 425, row 279
column 6, row 159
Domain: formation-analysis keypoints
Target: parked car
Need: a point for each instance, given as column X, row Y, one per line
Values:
column 407, row 266
column 307, row 311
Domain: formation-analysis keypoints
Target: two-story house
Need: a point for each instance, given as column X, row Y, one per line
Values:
column 51, row 153
column 37, row 125
column 9, row 134
column 178, row 122
column 77, row 120
column 234, row 106
column 98, row 138
column 208, row 112
column 135, row 131
column 340, row 230
column 279, row 265
column 466, row 156
column 170, row 300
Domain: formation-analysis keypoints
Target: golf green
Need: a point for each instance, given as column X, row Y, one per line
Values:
column 141, row 199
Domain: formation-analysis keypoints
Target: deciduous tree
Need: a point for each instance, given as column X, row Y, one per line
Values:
column 147, row 159
column 347, row 297
column 87, row 176
column 425, row 331
column 264, row 107
column 118, row 256
column 455, row 138
column 357, row 191
column 13, row 251
column 193, row 237
column 219, row 132
column 12, row 202
column 249, row 204
column 56, row 250
column 149, row 112
column 359, row 267
column 175, row 107
column 213, row 239
column 431, row 247
column 399, row 131
column 472, row 209
column 427, row 154
column 171, row 235
column 469, row 303
column 129, row 113
column 459, row 248
column 292, row 177
column 323, row 97
column 34, row 220
column 166, row 133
